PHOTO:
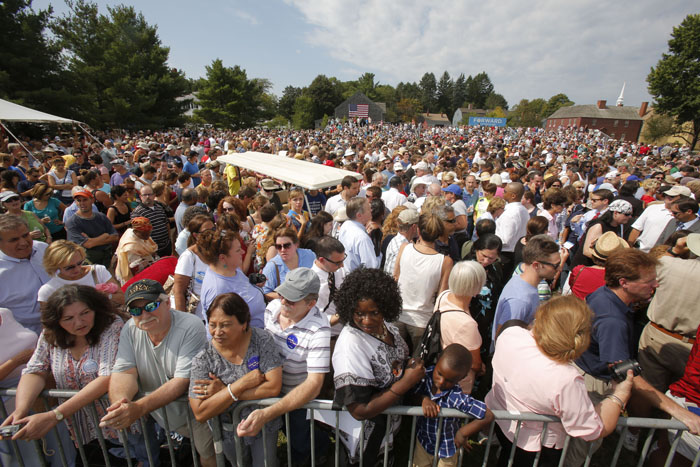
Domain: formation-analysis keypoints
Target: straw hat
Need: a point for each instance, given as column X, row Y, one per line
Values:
column 606, row 244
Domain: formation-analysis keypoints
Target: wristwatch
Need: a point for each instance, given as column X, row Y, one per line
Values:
column 59, row 415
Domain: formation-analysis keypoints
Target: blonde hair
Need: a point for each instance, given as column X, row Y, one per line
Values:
column 59, row 253
column 495, row 204
column 562, row 328
column 158, row 187
column 467, row 278
column 650, row 184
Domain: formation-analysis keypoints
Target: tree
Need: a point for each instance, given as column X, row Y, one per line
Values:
column 31, row 71
column 495, row 100
column 408, row 109
column 459, row 92
column 118, row 68
column 326, row 94
column 303, row 117
column 528, row 113
column 659, row 127
column 556, row 102
column 478, row 89
column 675, row 81
column 228, row 98
column 366, row 85
column 286, row 102
column 445, row 89
column 428, row 88
column 497, row 112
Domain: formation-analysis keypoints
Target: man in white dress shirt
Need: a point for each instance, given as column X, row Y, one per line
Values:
column 511, row 225
column 350, row 188
column 354, row 237
column 393, row 198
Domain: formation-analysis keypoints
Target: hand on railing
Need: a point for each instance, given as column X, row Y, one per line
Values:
column 430, row 408
column 121, row 415
column 34, row 426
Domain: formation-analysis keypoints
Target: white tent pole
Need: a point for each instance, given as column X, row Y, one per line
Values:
column 31, row 156
column 90, row 135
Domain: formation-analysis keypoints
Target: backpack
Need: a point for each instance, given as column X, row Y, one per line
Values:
column 431, row 342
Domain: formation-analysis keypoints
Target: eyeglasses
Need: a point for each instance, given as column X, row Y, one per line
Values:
column 555, row 266
column 71, row 267
column 149, row 307
column 229, row 209
column 283, row 246
column 451, row 221
column 596, row 199
column 674, row 213
column 337, row 263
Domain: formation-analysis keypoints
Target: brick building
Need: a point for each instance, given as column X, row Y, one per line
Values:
column 618, row 122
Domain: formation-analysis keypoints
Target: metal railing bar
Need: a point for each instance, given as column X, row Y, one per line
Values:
column 618, row 446
column 414, row 423
column 147, row 443
column 123, row 437
column 674, row 446
column 539, row 453
column 13, row 443
column 79, row 439
column 514, row 444
column 61, row 452
column 190, row 427
column 489, row 442
column 168, row 437
column 100, row 439
column 564, row 450
column 436, row 453
column 645, row 448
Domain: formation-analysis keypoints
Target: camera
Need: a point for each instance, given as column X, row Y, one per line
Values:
column 257, row 278
column 9, row 430
column 619, row 370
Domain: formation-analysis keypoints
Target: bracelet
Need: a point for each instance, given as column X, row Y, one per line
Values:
column 233, row 396
column 617, row 400
column 394, row 392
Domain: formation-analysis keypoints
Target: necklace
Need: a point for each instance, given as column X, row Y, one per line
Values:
column 382, row 337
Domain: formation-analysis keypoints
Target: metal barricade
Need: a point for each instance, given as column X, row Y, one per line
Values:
column 220, row 430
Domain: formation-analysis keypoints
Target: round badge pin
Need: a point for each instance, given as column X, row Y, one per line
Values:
column 292, row 341
column 90, row 366
column 253, row 363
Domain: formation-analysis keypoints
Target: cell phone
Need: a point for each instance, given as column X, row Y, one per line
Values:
column 568, row 245
column 9, row 430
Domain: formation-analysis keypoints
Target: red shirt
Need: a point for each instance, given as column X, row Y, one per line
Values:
column 689, row 385
column 585, row 280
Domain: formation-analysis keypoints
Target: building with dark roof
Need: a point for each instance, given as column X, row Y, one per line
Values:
column 376, row 109
column 429, row 120
column 469, row 110
column 618, row 122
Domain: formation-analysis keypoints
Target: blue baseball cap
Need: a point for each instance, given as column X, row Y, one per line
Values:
column 454, row 189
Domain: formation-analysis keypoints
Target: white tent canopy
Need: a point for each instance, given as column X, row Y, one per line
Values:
column 10, row 112
column 297, row 172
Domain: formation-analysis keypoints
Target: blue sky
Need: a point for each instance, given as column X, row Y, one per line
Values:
column 585, row 49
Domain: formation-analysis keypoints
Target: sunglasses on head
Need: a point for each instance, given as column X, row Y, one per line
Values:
column 149, row 307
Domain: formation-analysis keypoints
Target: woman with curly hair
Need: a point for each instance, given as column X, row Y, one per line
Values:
column 369, row 360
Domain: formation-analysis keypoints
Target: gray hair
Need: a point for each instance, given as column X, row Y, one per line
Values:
column 8, row 222
column 467, row 278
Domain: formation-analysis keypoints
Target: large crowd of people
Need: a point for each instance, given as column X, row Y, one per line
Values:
column 140, row 269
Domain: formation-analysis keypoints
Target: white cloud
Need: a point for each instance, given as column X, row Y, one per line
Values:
column 245, row 16
column 585, row 49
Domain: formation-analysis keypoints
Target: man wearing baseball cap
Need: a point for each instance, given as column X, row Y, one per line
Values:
column 156, row 348
column 93, row 230
column 302, row 334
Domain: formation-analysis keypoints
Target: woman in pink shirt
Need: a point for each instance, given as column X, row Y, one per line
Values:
column 541, row 378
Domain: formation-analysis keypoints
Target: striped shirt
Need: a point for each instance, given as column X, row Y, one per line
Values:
column 427, row 428
column 304, row 346
column 159, row 220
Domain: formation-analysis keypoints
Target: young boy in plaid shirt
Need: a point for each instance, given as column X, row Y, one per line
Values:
column 440, row 388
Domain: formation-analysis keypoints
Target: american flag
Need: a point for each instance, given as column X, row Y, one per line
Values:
column 358, row 110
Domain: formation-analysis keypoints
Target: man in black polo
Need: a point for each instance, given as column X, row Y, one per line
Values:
column 159, row 220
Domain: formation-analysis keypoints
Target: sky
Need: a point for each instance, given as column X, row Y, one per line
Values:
column 582, row 48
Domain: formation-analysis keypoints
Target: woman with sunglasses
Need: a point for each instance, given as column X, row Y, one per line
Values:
column 244, row 369
column 221, row 250
column 191, row 267
column 77, row 349
column 62, row 180
column 65, row 261
column 289, row 256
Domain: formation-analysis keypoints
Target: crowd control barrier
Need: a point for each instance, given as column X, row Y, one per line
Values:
column 218, row 428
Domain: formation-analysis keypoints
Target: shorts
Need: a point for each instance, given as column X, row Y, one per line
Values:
column 203, row 439
column 689, row 443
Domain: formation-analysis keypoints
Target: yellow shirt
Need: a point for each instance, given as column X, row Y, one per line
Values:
column 233, row 178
